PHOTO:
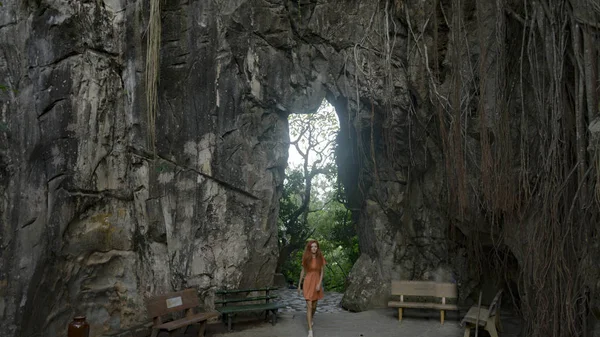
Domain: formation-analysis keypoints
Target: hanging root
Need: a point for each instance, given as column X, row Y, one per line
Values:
column 152, row 71
column 538, row 186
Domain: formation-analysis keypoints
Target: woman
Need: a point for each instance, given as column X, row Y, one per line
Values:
column 313, row 264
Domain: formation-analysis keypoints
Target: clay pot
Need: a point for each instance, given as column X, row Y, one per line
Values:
column 79, row 327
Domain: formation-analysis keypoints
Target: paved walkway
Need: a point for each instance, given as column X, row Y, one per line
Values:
column 373, row 323
column 332, row 321
column 296, row 303
column 346, row 324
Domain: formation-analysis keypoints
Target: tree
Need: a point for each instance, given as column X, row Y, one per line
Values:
column 337, row 235
column 310, row 206
column 313, row 137
column 293, row 231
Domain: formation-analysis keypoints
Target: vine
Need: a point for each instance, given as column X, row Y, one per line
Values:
column 538, row 201
column 152, row 71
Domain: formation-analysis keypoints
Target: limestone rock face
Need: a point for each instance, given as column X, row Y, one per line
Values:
column 94, row 219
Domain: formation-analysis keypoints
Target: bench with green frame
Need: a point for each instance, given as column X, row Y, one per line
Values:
column 260, row 303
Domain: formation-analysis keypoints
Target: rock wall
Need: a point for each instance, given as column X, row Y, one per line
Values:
column 94, row 220
column 91, row 223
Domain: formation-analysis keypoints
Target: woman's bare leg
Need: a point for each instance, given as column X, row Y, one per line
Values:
column 309, row 314
column 314, row 310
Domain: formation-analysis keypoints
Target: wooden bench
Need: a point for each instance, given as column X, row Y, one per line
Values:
column 175, row 302
column 228, row 311
column 489, row 318
column 423, row 289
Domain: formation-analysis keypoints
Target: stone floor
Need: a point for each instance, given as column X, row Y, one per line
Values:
column 296, row 303
column 332, row 321
column 373, row 323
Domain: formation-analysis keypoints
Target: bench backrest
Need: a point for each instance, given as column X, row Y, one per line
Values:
column 495, row 305
column 424, row 288
column 234, row 296
column 172, row 302
column 249, row 290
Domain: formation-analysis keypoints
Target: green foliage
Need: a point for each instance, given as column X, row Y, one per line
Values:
column 289, row 204
column 337, row 237
column 340, row 231
column 336, row 234
column 293, row 266
column 309, row 206
column 292, row 187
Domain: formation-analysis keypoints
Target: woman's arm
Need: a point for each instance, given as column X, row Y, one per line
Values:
column 321, row 278
column 300, row 281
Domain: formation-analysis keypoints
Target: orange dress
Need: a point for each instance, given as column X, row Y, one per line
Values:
column 313, row 274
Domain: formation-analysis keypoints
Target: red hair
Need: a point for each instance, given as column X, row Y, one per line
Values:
column 307, row 256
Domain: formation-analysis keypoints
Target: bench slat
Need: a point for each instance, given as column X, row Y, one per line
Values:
column 246, row 299
column 237, row 291
column 471, row 316
column 173, row 325
column 424, row 288
column 249, row 307
column 422, row 305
